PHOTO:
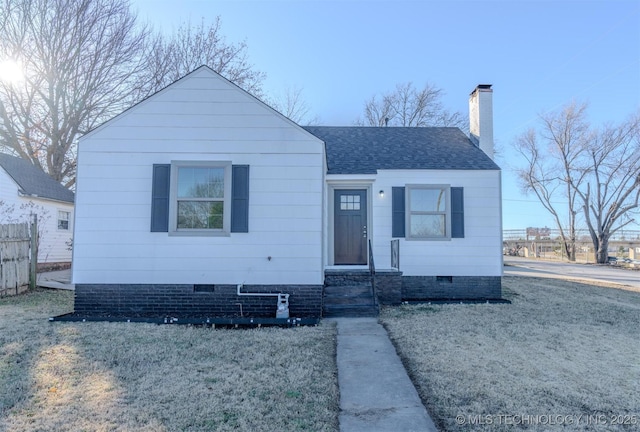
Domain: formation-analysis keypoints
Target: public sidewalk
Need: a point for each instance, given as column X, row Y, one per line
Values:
column 376, row 393
column 60, row 279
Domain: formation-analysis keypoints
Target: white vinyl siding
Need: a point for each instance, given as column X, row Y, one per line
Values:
column 201, row 118
column 479, row 253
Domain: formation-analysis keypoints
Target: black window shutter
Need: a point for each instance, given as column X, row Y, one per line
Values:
column 398, row 209
column 160, row 198
column 457, row 212
column 240, row 198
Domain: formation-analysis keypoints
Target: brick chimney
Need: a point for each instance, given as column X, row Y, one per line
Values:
column 481, row 118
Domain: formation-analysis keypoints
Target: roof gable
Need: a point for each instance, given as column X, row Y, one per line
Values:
column 364, row 150
column 33, row 181
column 200, row 83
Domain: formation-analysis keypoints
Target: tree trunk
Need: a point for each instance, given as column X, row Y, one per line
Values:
column 570, row 249
column 602, row 250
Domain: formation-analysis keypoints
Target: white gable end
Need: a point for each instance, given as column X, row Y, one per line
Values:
column 202, row 106
column 200, row 119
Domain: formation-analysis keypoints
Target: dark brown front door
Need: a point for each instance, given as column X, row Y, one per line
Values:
column 350, row 227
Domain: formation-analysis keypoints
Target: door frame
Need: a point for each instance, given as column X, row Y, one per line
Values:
column 331, row 190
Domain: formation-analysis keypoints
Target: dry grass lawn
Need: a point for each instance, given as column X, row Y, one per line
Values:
column 564, row 355
column 144, row 377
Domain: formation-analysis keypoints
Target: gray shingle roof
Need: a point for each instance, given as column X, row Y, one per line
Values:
column 33, row 181
column 364, row 150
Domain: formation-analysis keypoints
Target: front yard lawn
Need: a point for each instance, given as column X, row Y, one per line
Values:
column 563, row 355
column 145, row 377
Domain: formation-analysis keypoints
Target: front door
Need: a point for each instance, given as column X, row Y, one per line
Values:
column 350, row 227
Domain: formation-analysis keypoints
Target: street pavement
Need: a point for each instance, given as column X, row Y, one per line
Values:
column 516, row 266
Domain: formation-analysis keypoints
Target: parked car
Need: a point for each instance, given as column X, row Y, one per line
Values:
column 613, row 260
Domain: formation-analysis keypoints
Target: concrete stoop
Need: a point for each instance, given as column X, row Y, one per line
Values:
column 348, row 294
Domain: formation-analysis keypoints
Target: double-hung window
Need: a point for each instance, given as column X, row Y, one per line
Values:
column 200, row 198
column 63, row 220
column 428, row 212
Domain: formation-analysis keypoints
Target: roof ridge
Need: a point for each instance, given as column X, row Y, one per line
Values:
column 367, row 149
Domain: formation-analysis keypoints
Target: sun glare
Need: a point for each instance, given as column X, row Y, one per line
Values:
column 10, row 71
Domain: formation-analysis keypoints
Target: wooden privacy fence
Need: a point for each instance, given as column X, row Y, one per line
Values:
column 18, row 257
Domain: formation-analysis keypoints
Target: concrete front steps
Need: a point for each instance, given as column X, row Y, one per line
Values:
column 348, row 293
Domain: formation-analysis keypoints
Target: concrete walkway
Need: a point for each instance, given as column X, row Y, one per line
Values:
column 55, row 279
column 376, row 393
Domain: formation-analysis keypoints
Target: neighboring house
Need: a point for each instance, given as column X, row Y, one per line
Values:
column 25, row 189
column 202, row 193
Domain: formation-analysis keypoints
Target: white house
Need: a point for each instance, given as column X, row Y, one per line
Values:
column 25, row 189
column 202, row 194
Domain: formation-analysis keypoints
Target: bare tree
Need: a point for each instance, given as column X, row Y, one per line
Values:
column 85, row 61
column 611, row 187
column 377, row 112
column 80, row 59
column 554, row 168
column 170, row 58
column 292, row 105
column 590, row 172
column 410, row 107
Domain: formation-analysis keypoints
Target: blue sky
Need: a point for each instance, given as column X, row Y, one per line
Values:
column 539, row 55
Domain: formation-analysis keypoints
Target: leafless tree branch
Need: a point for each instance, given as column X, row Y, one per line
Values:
column 79, row 57
column 292, row 105
column 595, row 171
column 170, row 58
column 553, row 162
column 85, row 61
column 409, row 106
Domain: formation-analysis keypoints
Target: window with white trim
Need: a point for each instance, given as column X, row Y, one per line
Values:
column 200, row 198
column 63, row 220
column 428, row 212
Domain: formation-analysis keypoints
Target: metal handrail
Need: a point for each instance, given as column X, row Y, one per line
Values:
column 372, row 272
column 372, row 266
column 395, row 254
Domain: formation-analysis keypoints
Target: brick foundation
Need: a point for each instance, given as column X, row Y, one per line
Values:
column 389, row 287
column 138, row 300
column 451, row 288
